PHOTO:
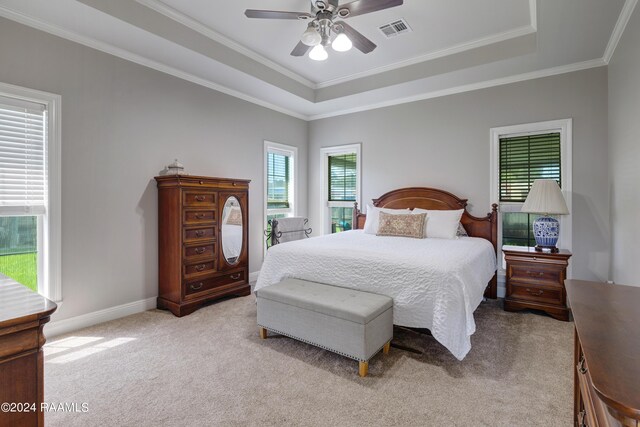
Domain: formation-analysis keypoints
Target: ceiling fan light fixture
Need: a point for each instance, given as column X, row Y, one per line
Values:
column 318, row 53
column 342, row 43
column 311, row 37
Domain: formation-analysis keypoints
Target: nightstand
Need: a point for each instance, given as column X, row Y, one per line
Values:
column 535, row 280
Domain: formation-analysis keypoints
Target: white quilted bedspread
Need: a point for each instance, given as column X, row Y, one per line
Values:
column 435, row 283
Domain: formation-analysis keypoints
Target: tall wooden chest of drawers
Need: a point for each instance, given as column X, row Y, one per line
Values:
column 203, row 248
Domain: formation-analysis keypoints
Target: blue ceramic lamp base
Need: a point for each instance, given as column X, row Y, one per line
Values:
column 546, row 231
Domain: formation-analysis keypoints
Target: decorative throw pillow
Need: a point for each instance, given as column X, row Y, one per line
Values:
column 441, row 224
column 371, row 223
column 462, row 232
column 407, row 225
column 234, row 217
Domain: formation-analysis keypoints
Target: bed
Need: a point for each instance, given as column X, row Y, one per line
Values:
column 435, row 283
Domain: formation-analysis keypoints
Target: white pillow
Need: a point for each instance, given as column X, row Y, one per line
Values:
column 441, row 224
column 373, row 217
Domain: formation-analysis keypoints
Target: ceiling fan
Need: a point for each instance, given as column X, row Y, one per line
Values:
column 322, row 25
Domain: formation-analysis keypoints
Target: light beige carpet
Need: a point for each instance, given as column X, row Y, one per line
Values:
column 211, row 368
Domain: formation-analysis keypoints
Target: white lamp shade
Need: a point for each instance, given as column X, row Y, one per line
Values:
column 341, row 43
column 311, row 37
column 545, row 197
column 318, row 53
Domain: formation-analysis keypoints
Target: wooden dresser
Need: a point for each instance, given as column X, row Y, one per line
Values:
column 203, row 240
column 607, row 353
column 23, row 314
column 535, row 280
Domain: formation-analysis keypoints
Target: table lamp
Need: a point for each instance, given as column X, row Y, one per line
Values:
column 545, row 197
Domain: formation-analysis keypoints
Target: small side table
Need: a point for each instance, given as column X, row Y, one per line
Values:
column 23, row 314
column 535, row 280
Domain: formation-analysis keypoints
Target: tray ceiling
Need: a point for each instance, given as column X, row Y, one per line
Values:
column 453, row 46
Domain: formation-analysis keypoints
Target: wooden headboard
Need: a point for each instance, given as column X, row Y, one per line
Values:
column 432, row 198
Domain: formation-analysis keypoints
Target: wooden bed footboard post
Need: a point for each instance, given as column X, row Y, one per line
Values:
column 492, row 289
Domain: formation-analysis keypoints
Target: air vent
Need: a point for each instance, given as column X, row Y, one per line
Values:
column 395, row 28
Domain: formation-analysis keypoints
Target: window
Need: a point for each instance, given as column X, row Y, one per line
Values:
column 520, row 155
column 29, row 193
column 280, row 161
column 341, row 170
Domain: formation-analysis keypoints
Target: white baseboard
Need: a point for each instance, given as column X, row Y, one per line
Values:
column 63, row 326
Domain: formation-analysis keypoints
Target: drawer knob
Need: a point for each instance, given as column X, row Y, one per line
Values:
column 196, row 287
column 201, row 182
column 200, row 215
column 200, row 198
column 534, row 274
column 200, row 250
column 201, row 267
column 235, row 276
column 535, row 293
column 581, row 368
column 200, row 233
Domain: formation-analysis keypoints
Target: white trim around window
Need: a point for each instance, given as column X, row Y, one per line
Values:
column 565, row 127
column 325, row 153
column 49, row 237
column 291, row 152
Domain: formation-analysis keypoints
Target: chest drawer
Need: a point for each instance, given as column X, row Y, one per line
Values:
column 538, row 273
column 195, row 217
column 198, row 198
column 203, row 267
column 205, row 250
column 199, row 233
column 534, row 293
column 197, row 286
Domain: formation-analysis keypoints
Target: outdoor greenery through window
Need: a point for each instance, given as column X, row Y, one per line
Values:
column 524, row 159
column 342, row 183
column 23, row 189
column 278, row 171
column 280, row 182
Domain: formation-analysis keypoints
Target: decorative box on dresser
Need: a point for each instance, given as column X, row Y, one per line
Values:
column 23, row 314
column 200, row 258
column 607, row 354
column 535, row 280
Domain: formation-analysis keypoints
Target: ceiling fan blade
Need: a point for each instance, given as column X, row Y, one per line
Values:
column 274, row 14
column 301, row 49
column 360, row 7
column 359, row 41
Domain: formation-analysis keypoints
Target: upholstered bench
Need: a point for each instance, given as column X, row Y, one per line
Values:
column 352, row 323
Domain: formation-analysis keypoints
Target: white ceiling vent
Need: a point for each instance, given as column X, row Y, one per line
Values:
column 395, row 28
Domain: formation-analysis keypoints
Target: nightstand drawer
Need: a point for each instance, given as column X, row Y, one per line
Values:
column 535, row 273
column 534, row 293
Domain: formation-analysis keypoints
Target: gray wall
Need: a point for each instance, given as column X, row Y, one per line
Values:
column 444, row 143
column 121, row 123
column 624, row 154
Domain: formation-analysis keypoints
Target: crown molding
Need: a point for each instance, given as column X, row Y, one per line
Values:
column 209, row 32
column 140, row 60
column 618, row 30
column 594, row 63
column 462, row 47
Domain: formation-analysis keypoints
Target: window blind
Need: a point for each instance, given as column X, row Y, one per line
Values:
column 278, row 166
column 524, row 159
column 342, row 178
column 23, row 168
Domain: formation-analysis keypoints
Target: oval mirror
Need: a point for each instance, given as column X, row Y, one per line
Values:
column 232, row 230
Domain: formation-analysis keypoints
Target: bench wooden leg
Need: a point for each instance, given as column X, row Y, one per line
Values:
column 364, row 369
column 385, row 349
column 263, row 333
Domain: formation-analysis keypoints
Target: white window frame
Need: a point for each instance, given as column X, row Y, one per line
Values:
column 565, row 128
column 292, row 152
column 49, row 225
column 325, row 204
